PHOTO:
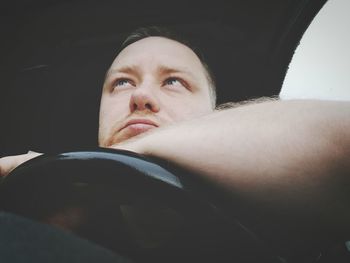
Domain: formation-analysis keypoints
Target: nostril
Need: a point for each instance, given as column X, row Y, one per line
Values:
column 148, row 106
column 134, row 106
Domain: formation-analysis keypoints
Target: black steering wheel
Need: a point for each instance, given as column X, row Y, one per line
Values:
column 145, row 209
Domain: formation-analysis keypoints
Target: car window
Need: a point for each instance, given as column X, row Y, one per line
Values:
column 320, row 66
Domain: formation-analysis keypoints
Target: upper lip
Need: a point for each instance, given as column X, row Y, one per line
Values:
column 139, row 121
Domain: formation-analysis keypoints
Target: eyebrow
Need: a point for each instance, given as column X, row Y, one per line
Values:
column 162, row 69
column 168, row 70
column 125, row 69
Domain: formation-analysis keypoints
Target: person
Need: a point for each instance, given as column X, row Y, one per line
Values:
column 288, row 160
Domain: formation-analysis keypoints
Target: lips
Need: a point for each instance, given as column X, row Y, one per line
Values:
column 137, row 126
column 140, row 122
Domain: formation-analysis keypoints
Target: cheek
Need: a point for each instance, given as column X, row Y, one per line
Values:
column 112, row 111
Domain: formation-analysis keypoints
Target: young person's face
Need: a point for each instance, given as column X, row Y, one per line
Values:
column 151, row 83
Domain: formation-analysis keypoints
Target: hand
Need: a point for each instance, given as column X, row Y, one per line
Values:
column 8, row 163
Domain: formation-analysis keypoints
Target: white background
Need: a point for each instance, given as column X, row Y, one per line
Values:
column 320, row 68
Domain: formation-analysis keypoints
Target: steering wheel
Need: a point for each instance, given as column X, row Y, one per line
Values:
column 139, row 207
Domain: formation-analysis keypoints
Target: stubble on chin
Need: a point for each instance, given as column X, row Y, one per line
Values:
column 118, row 142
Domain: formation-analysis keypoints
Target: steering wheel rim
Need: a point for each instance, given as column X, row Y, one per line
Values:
column 79, row 191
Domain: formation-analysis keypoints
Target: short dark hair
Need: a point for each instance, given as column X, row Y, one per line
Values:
column 157, row 31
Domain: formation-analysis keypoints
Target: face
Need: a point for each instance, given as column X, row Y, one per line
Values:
column 152, row 83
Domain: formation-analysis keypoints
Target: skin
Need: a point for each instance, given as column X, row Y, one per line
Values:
column 165, row 85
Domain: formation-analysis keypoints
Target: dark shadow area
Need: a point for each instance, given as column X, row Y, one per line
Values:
column 54, row 55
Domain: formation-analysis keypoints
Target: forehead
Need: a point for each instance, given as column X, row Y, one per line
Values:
column 159, row 51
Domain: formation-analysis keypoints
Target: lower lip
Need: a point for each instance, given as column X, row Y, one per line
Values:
column 138, row 128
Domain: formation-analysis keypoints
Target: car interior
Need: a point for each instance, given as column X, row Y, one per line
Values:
column 79, row 202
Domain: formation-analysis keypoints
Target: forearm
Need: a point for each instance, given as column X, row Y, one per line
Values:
column 8, row 163
column 290, row 159
column 256, row 144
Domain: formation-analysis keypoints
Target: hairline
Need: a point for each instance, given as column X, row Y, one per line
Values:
column 138, row 35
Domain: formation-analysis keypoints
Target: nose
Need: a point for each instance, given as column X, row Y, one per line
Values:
column 143, row 99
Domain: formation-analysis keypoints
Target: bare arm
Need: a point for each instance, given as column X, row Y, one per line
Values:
column 8, row 163
column 288, row 158
column 261, row 143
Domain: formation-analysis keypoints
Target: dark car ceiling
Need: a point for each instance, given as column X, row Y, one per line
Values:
column 54, row 55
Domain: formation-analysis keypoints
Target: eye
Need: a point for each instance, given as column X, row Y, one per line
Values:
column 122, row 83
column 174, row 82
